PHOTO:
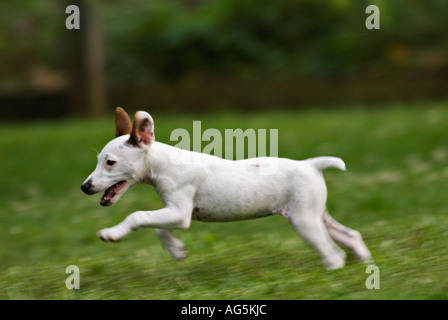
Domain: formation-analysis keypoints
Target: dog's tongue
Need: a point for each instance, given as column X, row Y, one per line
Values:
column 106, row 199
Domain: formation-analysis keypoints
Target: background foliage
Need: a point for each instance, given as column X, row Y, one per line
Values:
column 154, row 40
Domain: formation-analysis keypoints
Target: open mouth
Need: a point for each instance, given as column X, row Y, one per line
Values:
column 111, row 192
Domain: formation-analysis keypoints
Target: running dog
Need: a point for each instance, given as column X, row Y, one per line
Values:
column 216, row 190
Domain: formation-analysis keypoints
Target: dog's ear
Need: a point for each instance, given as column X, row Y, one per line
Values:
column 142, row 133
column 123, row 124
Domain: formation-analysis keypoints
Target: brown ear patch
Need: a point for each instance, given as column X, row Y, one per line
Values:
column 123, row 124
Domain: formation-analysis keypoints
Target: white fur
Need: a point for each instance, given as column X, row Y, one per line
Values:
column 217, row 190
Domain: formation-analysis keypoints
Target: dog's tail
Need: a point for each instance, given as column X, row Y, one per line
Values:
column 321, row 163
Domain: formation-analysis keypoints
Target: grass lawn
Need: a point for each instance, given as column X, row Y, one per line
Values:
column 394, row 192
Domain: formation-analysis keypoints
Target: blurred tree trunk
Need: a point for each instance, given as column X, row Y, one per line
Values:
column 87, row 92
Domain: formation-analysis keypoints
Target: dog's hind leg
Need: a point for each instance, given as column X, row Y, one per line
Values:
column 174, row 246
column 349, row 238
column 311, row 227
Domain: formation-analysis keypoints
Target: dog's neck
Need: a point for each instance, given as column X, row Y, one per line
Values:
column 152, row 162
column 157, row 159
column 161, row 159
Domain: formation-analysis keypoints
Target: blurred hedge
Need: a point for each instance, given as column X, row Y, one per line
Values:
column 155, row 40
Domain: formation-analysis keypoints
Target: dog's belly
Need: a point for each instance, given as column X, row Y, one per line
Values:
column 206, row 214
column 240, row 194
column 213, row 217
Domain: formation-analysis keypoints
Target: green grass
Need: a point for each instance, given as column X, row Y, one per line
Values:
column 394, row 192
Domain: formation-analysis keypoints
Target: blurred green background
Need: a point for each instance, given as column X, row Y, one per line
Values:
column 309, row 68
column 196, row 55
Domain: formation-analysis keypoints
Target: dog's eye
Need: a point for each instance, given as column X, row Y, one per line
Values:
column 110, row 162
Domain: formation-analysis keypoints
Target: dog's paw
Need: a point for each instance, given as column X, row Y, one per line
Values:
column 110, row 235
column 335, row 261
column 178, row 253
column 176, row 249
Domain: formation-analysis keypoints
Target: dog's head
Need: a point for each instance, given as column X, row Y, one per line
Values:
column 121, row 163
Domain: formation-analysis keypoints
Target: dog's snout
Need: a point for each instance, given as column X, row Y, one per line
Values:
column 87, row 187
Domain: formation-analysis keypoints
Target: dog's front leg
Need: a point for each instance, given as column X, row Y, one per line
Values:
column 174, row 246
column 173, row 216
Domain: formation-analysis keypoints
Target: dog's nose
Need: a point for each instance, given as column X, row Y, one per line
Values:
column 87, row 187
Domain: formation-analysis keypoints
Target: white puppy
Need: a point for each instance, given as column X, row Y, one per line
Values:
column 216, row 190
